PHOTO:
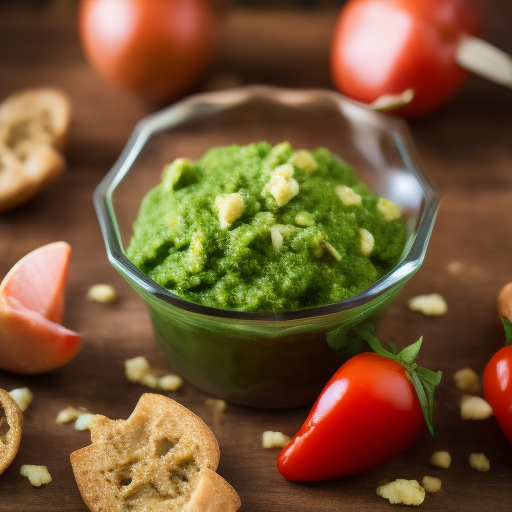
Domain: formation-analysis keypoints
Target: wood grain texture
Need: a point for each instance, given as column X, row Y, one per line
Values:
column 466, row 149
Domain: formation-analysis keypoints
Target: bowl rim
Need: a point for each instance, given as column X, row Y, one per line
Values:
column 178, row 112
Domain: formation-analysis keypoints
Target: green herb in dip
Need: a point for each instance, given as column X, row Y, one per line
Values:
column 262, row 228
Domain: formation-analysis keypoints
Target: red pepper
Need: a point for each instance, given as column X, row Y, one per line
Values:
column 498, row 383
column 373, row 408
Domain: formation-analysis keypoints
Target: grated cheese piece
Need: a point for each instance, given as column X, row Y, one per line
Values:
column 23, row 397
column 304, row 160
column 102, row 293
column 389, row 210
column 83, row 421
column 441, row 459
column 37, row 475
column 277, row 234
column 466, row 379
column 286, row 171
column 283, row 189
column 70, row 414
column 479, row 462
column 474, row 408
column 403, row 492
column 431, row 483
column 367, row 242
column 150, row 380
column 136, row 368
column 170, row 382
column 455, row 268
column 347, row 196
column 230, row 207
column 429, row 305
column 216, row 404
column 274, row 439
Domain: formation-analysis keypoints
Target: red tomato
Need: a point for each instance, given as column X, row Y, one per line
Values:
column 498, row 384
column 368, row 412
column 388, row 46
column 156, row 48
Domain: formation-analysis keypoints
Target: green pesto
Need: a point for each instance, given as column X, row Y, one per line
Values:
column 178, row 240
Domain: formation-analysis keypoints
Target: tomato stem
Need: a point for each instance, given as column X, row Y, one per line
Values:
column 508, row 330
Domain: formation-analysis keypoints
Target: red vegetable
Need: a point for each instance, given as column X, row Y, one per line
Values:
column 156, row 48
column 373, row 408
column 385, row 47
column 498, row 383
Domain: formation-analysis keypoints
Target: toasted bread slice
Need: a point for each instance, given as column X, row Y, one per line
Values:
column 212, row 494
column 11, row 422
column 33, row 129
column 154, row 461
column 39, row 114
column 20, row 180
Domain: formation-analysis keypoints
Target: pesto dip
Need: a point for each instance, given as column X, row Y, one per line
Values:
column 262, row 228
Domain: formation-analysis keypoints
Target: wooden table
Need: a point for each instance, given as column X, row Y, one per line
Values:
column 465, row 147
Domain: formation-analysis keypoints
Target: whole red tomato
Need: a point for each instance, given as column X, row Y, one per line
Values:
column 388, row 46
column 498, row 384
column 156, row 48
column 373, row 408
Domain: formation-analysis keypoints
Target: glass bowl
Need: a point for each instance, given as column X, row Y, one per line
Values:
column 266, row 360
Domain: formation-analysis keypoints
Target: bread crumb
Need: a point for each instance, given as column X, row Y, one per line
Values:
column 102, row 293
column 441, row 459
column 83, row 421
column 23, row 397
column 274, row 439
column 170, row 382
column 347, row 196
column 467, row 380
column 37, row 475
column 389, row 210
column 230, row 207
column 403, row 492
column 474, row 408
column 479, row 461
column 70, row 414
column 429, row 305
column 431, row 483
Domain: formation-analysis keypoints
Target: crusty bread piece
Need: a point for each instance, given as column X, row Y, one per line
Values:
column 154, row 461
column 22, row 180
column 33, row 129
column 212, row 494
column 11, row 422
column 38, row 114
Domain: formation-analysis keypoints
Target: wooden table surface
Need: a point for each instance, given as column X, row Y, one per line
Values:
column 466, row 149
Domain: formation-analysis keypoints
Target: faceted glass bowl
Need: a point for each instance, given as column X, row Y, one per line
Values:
column 266, row 360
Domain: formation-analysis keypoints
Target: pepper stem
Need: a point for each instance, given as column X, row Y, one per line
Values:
column 424, row 380
column 508, row 330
